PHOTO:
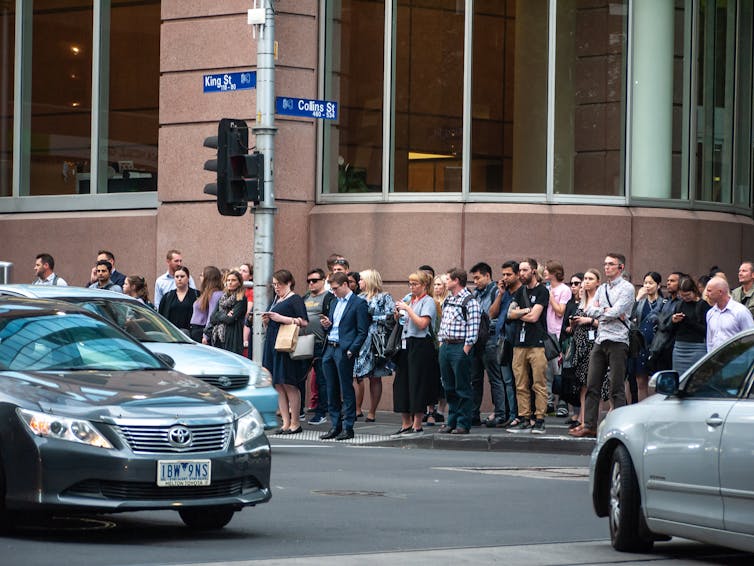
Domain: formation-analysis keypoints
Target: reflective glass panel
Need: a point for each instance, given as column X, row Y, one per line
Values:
column 133, row 105
column 354, row 57
column 61, row 96
column 428, row 96
column 509, row 97
column 7, row 66
column 590, row 97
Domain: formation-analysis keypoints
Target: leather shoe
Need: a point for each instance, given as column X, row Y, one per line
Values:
column 330, row 434
column 445, row 429
column 460, row 431
column 345, row 434
column 582, row 433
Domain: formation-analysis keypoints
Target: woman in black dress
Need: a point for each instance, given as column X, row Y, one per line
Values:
column 178, row 305
column 286, row 308
column 226, row 321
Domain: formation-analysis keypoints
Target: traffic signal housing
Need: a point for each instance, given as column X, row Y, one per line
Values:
column 239, row 175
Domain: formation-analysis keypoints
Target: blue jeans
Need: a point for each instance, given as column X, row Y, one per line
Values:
column 338, row 370
column 455, row 371
column 488, row 361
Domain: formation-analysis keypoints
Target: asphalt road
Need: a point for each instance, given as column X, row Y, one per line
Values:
column 345, row 504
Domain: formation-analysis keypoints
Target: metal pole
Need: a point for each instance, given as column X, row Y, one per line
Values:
column 264, row 214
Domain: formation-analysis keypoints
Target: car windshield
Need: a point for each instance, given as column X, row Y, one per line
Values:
column 68, row 342
column 136, row 319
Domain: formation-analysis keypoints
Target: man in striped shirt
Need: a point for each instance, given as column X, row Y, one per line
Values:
column 458, row 333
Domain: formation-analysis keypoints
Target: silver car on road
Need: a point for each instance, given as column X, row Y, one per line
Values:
column 681, row 463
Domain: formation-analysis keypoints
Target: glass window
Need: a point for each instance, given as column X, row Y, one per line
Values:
column 7, row 66
column 61, row 96
column 590, row 70
column 133, row 105
column 744, row 144
column 715, row 96
column 509, row 97
column 356, row 33
column 428, row 94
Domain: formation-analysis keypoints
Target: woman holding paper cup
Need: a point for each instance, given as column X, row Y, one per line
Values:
column 286, row 308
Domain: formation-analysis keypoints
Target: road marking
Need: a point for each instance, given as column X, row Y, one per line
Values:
column 551, row 473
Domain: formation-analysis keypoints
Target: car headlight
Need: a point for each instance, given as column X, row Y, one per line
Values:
column 248, row 427
column 260, row 377
column 62, row 428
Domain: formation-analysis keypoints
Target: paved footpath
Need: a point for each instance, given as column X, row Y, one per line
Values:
column 380, row 433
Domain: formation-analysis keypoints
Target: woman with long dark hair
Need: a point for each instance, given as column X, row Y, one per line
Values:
column 177, row 305
column 647, row 308
column 286, row 308
column 690, row 325
column 226, row 321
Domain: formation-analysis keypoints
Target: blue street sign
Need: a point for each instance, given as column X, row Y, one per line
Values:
column 226, row 82
column 306, row 108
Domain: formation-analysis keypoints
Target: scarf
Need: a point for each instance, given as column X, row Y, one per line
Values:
column 224, row 305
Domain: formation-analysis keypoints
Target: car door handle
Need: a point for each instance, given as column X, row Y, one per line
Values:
column 714, row 420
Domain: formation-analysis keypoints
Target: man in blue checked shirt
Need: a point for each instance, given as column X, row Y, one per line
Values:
column 459, row 328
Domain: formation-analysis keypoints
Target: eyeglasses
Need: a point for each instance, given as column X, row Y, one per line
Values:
column 413, row 283
column 310, row 281
column 575, row 283
column 335, row 287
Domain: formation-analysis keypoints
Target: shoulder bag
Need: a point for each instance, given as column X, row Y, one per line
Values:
column 304, row 347
column 287, row 338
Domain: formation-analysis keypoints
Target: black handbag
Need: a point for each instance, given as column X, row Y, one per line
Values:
column 504, row 352
column 393, row 345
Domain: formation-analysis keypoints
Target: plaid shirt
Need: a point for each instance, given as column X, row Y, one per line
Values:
column 453, row 325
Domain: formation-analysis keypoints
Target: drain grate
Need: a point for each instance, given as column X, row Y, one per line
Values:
column 548, row 473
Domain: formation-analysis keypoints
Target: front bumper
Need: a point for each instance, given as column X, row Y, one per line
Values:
column 57, row 475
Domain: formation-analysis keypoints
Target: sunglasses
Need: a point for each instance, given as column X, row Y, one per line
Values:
column 340, row 262
column 575, row 283
column 313, row 280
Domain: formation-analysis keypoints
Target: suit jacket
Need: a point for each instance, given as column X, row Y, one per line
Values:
column 354, row 324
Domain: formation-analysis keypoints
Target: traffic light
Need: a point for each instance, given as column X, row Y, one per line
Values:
column 231, row 142
column 247, row 176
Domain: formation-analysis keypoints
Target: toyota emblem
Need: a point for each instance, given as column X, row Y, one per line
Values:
column 179, row 437
column 224, row 381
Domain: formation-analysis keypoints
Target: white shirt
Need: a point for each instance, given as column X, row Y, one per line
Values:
column 50, row 280
column 723, row 324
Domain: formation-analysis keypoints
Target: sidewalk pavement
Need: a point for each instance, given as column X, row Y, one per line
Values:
column 555, row 441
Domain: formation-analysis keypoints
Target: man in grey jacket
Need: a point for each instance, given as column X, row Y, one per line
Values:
column 611, row 308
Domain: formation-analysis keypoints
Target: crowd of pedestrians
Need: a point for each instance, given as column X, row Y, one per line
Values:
column 547, row 345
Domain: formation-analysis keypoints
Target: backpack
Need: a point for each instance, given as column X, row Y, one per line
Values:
column 484, row 325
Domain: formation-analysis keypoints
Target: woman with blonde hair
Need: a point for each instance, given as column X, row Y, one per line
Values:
column 584, row 331
column 380, row 305
column 418, row 370
column 225, row 327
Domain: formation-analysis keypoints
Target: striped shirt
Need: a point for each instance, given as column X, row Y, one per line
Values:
column 453, row 326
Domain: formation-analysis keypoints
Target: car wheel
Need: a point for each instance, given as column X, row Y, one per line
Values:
column 624, row 505
column 206, row 519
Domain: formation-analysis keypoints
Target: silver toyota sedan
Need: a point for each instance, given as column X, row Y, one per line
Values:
column 681, row 463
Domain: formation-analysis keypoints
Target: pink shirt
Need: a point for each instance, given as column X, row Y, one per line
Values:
column 561, row 294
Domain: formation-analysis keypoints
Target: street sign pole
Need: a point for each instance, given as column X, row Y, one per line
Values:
column 264, row 131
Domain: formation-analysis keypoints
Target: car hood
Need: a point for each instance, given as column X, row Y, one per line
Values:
column 108, row 395
column 198, row 359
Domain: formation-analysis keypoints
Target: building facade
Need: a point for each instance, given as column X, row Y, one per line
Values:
column 468, row 130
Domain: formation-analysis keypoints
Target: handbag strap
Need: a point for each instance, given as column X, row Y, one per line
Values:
column 607, row 296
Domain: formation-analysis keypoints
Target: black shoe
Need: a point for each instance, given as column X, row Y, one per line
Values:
column 330, row 434
column 476, row 421
column 345, row 435
column 439, row 418
column 293, row 431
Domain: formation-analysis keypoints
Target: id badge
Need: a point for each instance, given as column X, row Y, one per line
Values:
column 522, row 336
column 403, row 344
column 590, row 334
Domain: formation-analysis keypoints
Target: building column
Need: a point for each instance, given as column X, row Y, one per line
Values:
column 651, row 113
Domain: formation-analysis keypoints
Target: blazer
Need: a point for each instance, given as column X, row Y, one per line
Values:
column 354, row 324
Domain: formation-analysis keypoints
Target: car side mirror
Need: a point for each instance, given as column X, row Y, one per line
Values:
column 165, row 359
column 666, row 382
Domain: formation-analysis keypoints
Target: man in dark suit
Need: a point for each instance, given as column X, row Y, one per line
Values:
column 346, row 325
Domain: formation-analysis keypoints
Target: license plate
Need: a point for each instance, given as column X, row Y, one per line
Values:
column 183, row 473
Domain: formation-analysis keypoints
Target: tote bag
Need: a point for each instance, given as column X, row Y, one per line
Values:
column 304, row 347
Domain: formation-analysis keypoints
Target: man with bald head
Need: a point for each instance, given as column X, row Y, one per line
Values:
column 727, row 317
